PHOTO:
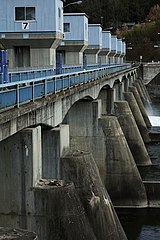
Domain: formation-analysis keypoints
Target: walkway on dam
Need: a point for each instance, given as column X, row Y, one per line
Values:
column 24, row 86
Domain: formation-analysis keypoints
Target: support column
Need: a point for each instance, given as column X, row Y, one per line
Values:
column 20, row 168
column 118, row 91
column 59, row 213
column 129, row 97
column 85, row 131
column 107, row 98
column 80, row 168
column 123, row 180
column 54, row 142
column 141, row 106
column 131, row 133
column 143, row 96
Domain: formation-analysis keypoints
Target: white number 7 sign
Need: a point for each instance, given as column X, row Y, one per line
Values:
column 25, row 25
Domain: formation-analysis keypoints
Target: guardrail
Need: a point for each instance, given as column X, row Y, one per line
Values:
column 21, row 74
column 16, row 93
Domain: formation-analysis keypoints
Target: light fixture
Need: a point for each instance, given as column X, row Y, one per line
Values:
column 72, row 3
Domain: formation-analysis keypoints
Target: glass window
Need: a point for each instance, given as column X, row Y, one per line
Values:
column 66, row 27
column 20, row 13
column 30, row 13
column 24, row 13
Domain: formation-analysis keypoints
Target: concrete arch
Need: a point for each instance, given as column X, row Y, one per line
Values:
column 53, row 109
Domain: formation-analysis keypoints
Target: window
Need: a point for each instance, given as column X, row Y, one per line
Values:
column 24, row 13
column 66, row 27
column 59, row 19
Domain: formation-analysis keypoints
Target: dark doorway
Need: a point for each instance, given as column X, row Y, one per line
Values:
column 22, row 56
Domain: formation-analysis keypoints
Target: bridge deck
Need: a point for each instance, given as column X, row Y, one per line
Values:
column 15, row 93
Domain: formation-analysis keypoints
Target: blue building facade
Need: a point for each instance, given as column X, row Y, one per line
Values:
column 31, row 30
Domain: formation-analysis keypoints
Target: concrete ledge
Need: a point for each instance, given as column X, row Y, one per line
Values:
column 153, row 193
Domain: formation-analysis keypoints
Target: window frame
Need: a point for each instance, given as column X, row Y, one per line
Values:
column 25, row 14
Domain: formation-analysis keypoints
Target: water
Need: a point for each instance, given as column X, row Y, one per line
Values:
column 140, row 224
column 144, row 224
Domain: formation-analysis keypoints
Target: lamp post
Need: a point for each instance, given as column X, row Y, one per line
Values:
column 72, row 3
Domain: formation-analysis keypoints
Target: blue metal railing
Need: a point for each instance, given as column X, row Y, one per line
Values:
column 15, row 93
column 26, row 74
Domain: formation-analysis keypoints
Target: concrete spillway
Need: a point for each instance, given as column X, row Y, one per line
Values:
column 123, row 180
column 81, row 168
column 131, row 132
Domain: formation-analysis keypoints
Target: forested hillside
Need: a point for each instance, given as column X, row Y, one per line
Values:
column 114, row 12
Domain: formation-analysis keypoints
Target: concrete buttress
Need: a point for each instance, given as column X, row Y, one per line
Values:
column 129, row 97
column 123, row 180
column 80, row 167
column 141, row 106
column 131, row 133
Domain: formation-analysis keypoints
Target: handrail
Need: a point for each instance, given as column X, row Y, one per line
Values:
column 16, row 93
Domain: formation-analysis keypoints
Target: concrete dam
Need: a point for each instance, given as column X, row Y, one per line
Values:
column 68, row 161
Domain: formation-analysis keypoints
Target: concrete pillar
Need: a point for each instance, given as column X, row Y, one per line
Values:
column 107, row 99
column 123, row 180
column 73, row 58
column 80, row 168
column 59, row 213
column 126, row 84
column 85, row 131
column 144, row 90
column 118, row 91
column 129, row 97
column 16, row 234
column 21, row 167
column 54, row 142
column 143, row 96
column 141, row 106
column 131, row 133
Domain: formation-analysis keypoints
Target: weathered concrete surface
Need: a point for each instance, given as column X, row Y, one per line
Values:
column 106, row 96
column 123, row 180
column 58, row 212
column 141, row 106
column 144, row 89
column 131, row 133
column 20, row 169
column 143, row 96
column 85, row 131
column 54, row 142
column 16, row 234
column 80, row 167
column 129, row 97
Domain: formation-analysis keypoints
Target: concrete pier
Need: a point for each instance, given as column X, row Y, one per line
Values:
column 85, row 131
column 59, row 213
column 129, row 97
column 106, row 96
column 141, row 83
column 54, row 142
column 143, row 95
column 123, row 180
column 131, row 133
column 80, row 167
column 141, row 106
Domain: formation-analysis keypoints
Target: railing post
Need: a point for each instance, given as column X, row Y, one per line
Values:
column 17, row 95
column 45, row 87
column 33, row 91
